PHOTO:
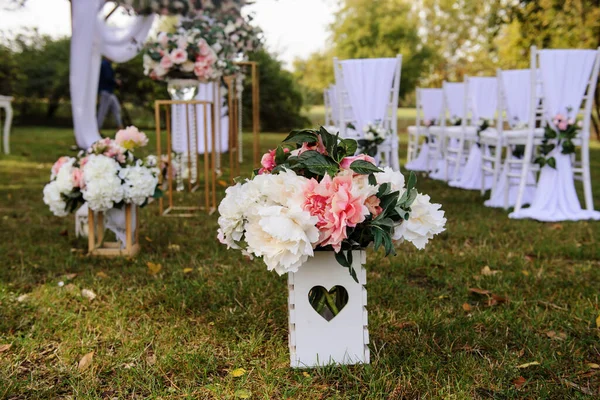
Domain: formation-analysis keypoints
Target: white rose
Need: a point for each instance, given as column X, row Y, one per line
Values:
column 425, row 221
column 53, row 199
column 283, row 237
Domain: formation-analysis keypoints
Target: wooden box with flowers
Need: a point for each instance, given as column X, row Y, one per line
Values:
column 112, row 183
column 311, row 211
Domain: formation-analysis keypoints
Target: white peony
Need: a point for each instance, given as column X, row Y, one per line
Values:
column 394, row 178
column 187, row 66
column 425, row 221
column 231, row 215
column 64, row 178
column 285, row 188
column 284, row 237
column 102, row 184
column 139, row 183
column 53, row 199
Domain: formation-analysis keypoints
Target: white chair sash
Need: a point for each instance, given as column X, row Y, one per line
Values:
column 516, row 85
column 432, row 103
column 455, row 99
column 484, row 97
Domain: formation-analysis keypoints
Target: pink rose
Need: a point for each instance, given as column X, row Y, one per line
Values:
column 178, row 56
column 58, row 165
column 166, row 62
column 203, row 48
column 346, row 161
column 82, row 162
column 319, row 146
column 563, row 125
column 268, row 161
column 373, row 206
column 77, row 177
column 130, row 138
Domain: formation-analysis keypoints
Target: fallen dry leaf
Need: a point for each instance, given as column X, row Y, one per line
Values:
column 556, row 227
column 243, row 394
column 101, row 274
column 4, row 347
column 486, row 271
column 153, row 268
column 223, row 183
column 556, row 336
column 236, row 373
column 174, row 247
column 525, row 272
column 519, row 382
column 88, row 294
column 64, row 233
column 495, row 299
column 148, row 239
column 466, row 307
column 593, row 366
column 151, row 359
column 70, row 277
column 85, row 361
column 22, row 298
column 481, row 292
column 527, row 365
column 187, row 270
column 306, row 374
column 598, row 322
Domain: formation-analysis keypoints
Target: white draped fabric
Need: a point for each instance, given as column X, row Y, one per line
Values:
column 517, row 91
column 334, row 103
column 432, row 102
column 91, row 39
column 178, row 118
column 369, row 85
column 455, row 99
column 484, row 101
column 497, row 197
column 565, row 74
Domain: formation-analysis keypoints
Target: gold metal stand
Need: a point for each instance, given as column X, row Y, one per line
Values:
column 210, row 200
column 96, row 244
column 234, row 145
column 255, row 110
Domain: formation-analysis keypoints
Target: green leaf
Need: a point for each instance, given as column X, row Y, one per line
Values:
column 372, row 180
column 412, row 181
column 551, row 162
column 350, row 146
column 158, row 193
column 317, row 163
column 364, row 167
column 279, row 155
column 341, row 259
column 299, row 137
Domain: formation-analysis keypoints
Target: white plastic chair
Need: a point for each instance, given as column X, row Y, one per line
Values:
column 429, row 109
column 358, row 102
column 568, row 79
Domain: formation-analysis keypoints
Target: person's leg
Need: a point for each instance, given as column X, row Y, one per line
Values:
column 103, row 108
column 116, row 110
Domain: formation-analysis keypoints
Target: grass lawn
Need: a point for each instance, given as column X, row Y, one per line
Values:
column 182, row 332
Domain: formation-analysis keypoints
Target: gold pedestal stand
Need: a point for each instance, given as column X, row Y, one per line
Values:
column 96, row 244
column 210, row 200
column 255, row 110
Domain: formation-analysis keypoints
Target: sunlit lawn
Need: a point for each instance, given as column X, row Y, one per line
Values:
column 181, row 333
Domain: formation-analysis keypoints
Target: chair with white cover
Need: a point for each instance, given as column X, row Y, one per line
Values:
column 6, row 104
column 327, row 107
column 514, row 101
column 370, row 89
column 453, row 109
column 568, row 83
column 429, row 112
column 481, row 106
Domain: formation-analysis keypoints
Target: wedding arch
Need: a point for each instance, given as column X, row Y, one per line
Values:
column 93, row 37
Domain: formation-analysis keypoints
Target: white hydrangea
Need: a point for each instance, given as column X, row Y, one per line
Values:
column 64, row 178
column 283, row 236
column 426, row 220
column 102, row 184
column 139, row 183
column 53, row 199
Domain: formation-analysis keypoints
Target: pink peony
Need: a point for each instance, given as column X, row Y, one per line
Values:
column 163, row 39
column 333, row 203
column 373, row 206
column 203, row 48
column 77, row 177
column 130, row 138
column 58, row 165
column 346, row 161
column 83, row 161
column 319, row 146
column 178, row 56
column 166, row 62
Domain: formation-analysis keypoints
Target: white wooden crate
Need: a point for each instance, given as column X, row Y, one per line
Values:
column 313, row 340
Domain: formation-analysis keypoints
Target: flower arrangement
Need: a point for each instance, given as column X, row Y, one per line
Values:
column 182, row 55
column 374, row 135
column 428, row 122
column 244, row 37
column 179, row 7
column 455, row 121
column 105, row 176
column 561, row 133
column 312, row 193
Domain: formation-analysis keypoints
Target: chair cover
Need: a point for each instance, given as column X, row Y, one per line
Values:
column 369, row 85
column 484, row 102
column 455, row 99
column 517, row 91
column 497, row 197
column 91, row 39
column 431, row 104
column 565, row 75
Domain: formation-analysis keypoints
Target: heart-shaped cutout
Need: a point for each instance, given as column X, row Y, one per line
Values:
column 326, row 303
